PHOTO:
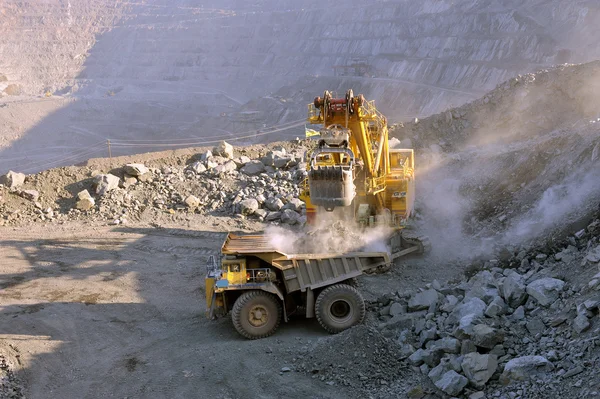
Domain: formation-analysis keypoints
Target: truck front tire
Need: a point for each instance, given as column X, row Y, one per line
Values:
column 339, row 307
column 256, row 314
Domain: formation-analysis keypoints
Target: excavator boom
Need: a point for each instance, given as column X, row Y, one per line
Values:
column 353, row 165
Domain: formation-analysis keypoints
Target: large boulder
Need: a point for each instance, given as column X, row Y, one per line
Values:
column 523, row 367
column 295, row 204
column 513, row 290
column 452, row 383
column 248, row 206
column 289, row 217
column 479, row 368
column 228, row 166
column 545, row 290
column 106, row 183
column 135, row 169
column 224, row 149
column 85, row 201
column 253, row 168
column 198, row 167
column 424, row 300
column 269, row 159
column 12, row 179
column 473, row 307
column 486, row 337
column 191, row 201
column 273, row 204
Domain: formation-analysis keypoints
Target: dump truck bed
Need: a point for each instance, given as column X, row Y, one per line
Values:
column 302, row 271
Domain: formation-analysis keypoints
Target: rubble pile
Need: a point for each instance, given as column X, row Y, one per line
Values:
column 507, row 332
column 10, row 386
column 214, row 182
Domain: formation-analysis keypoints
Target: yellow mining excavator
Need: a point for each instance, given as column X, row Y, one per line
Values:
column 354, row 168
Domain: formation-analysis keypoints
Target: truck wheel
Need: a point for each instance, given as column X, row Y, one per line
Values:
column 339, row 307
column 256, row 314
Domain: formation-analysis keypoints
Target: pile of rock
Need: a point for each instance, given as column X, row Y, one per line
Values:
column 512, row 333
column 266, row 189
column 10, row 386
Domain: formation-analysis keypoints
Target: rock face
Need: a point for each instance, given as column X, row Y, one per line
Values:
column 12, row 179
column 106, row 183
column 545, row 290
column 85, row 201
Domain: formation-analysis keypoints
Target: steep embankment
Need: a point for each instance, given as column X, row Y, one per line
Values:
column 519, row 162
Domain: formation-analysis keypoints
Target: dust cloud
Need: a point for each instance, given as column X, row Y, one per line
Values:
column 334, row 232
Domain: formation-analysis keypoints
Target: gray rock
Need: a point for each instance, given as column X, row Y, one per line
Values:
column 282, row 162
column 479, row 368
column 424, row 300
column 224, row 149
column 535, row 326
column 581, row 323
column 289, row 217
column 427, row 335
column 467, row 346
column 473, row 307
column 269, row 159
column 545, row 290
column 273, row 216
column 487, row 337
column 452, row 383
column 192, row 201
column 273, row 204
column 135, row 169
column 31, row 195
column 447, row 345
column 241, row 161
column 85, row 201
column 397, row 309
column 449, row 304
column 438, row 371
column 261, row 213
column 406, row 350
column 513, row 290
column 294, row 204
column 198, row 167
column 253, row 168
column 477, row 395
column 12, row 179
column 228, row 166
column 206, row 156
column 496, row 308
column 520, row 368
column 593, row 256
column 106, row 183
column 248, row 206
column 417, row 358
column 519, row 313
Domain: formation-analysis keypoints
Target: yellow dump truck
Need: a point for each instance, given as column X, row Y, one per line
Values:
column 260, row 285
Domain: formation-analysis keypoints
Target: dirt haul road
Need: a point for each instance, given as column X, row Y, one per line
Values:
column 89, row 312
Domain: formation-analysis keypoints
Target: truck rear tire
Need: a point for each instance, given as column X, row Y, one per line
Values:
column 256, row 314
column 339, row 307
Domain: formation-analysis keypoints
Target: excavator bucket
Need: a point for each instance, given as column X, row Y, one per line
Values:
column 331, row 186
column 331, row 178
